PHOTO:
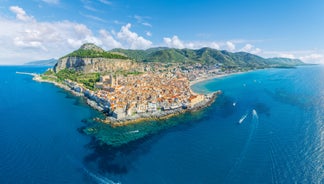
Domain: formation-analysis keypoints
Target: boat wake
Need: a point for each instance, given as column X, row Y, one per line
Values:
column 96, row 177
column 236, row 166
column 99, row 178
column 255, row 114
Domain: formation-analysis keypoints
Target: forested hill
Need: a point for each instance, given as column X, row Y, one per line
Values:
column 206, row 56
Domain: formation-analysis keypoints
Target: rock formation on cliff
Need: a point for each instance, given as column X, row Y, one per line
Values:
column 91, row 58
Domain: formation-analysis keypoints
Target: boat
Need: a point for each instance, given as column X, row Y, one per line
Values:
column 242, row 119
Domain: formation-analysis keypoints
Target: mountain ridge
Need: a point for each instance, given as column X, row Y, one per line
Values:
column 91, row 58
column 206, row 55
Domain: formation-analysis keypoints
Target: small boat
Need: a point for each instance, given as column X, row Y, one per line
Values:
column 242, row 119
column 254, row 113
column 133, row 132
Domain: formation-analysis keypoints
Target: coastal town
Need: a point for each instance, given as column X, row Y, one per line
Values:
column 130, row 85
column 148, row 94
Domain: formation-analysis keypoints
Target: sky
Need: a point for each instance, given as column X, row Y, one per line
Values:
column 42, row 29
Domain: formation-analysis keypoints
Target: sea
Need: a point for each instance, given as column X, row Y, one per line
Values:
column 266, row 127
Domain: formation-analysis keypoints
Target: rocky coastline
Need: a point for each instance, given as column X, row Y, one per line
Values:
column 160, row 115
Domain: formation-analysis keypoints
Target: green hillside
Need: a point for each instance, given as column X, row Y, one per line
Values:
column 90, row 50
column 207, row 56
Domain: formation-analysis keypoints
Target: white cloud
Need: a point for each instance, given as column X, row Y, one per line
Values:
column 143, row 20
column 256, row 51
column 32, row 44
column 147, row 24
column 51, row 1
column 118, row 22
column 287, row 55
column 174, row 42
column 313, row 58
column 25, row 39
column 214, row 45
column 90, row 8
column 199, row 44
column 251, row 49
column 93, row 18
column 21, row 14
column 140, row 18
column 108, row 40
column 105, row 2
column 132, row 39
column 44, row 39
column 243, row 41
column 230, row 46
column 283, row 54
column 148, row 33
column 247, row 48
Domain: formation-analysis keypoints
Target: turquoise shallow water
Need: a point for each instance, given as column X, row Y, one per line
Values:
column 280, row 138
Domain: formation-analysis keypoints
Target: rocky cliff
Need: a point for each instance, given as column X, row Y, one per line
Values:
column 89, row 65
column 91, row 58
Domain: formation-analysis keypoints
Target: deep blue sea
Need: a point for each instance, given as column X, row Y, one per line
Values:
column 266, row 127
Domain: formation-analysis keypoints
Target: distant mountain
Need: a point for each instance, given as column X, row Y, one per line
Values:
column 285, row 61
column 207, row 56
column 48, row 62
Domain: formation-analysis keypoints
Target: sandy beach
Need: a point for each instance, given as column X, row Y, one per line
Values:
column 203, row 79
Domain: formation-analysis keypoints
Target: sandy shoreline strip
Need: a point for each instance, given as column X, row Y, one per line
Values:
column 203, row 79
